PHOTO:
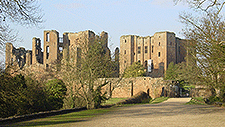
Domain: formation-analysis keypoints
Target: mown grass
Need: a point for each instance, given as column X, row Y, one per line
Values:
column 196, row 101
column 113, row 101
column 158, row 100
column 65, row 119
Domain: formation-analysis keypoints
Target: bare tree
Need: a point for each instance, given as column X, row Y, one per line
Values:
column 86, row 72
column 205, row 33
column 22, row 12
column 204, row 5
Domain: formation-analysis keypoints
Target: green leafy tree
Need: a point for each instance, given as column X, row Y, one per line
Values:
column 171, row 72
column 20, row 95
column 135, row 70
column 56, row 91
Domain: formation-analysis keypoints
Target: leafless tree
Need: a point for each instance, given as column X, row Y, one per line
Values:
column 205, row 5
column 22, row 12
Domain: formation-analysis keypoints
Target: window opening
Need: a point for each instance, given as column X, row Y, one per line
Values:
column 47, row 37
column 146, row 49
column 139, row 50
column 152, row 48
column 47, row 52
column 145, row 63
column 159, row 54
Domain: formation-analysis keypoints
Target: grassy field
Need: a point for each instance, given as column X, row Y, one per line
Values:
column 158, row 100
column 113, row 101
column 63, row 120
column 66, row 119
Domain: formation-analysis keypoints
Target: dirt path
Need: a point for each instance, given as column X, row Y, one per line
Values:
column 172, row 113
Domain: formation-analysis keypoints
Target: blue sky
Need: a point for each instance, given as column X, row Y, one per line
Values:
column 117, row 17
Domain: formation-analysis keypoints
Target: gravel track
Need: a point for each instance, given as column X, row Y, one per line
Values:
column 171, row 113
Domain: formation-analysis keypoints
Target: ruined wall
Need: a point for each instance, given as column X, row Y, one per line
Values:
column 37, row 55
column 128, row 87
column 51, row 47
column 15, row 56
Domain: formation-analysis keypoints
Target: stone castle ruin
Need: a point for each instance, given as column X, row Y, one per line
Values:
column 55, row 48
column 160, row 50
column 155, row 52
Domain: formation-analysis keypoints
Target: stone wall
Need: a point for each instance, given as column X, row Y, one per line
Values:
column 128, row 87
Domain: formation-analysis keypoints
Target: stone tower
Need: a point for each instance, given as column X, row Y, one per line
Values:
column 51, row 47
column 37, row 56
column 9, row 54
column 104, row 41
column 156, row 51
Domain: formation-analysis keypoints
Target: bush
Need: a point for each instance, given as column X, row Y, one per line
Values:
column 56, row 91
column 20, row 95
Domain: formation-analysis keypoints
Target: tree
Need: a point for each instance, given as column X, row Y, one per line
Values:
column 56, row 91
column 135, row 70
column 171, row 72
column 204, row 5
column 20, row 95
column 23, row 12
column 205, row 34
column 85, row 72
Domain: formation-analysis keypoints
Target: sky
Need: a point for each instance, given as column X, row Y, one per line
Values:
column 117, row 17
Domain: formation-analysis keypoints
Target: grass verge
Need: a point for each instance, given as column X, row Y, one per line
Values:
column 113, row 101
column 63, row 120
column 158, row 100
column 196, row 101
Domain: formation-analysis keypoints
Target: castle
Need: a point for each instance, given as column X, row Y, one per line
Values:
column 55, row 48
column 154, row 53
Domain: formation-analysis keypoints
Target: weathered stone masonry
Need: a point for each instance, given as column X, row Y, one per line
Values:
column 55, row 48
column 162, row 48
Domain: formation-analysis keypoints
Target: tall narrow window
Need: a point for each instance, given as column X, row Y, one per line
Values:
column 125, row 41
column 159, row 54
column 139, row 50
column 159, row 43
column 124, row 51
column 47, row 37
column 47, row 52
column 146, row 49
column 152, row 48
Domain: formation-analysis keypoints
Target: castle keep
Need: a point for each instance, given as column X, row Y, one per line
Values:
column 154, row 53
column 55, row 48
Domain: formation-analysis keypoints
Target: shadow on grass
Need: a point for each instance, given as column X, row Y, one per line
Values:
column 45, row 123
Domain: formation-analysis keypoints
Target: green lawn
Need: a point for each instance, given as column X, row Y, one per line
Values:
column 113, row 101
column 158, row 100
column 66, row 119
column 63, row 120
